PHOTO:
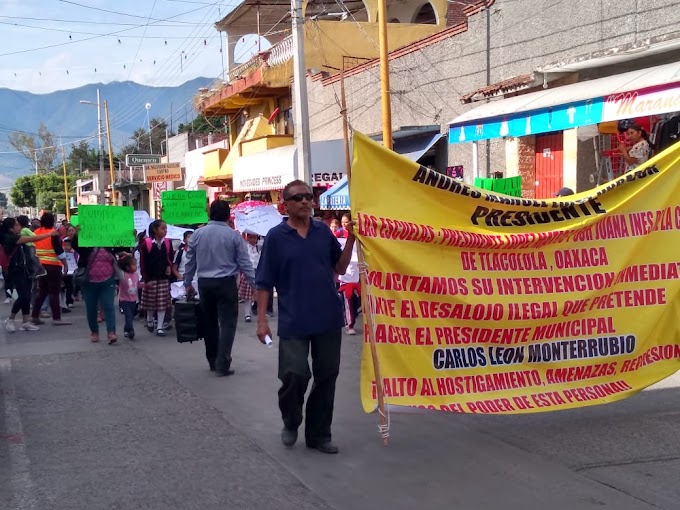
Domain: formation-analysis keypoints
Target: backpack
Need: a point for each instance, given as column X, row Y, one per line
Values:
column 6, row 258
column 168, row 248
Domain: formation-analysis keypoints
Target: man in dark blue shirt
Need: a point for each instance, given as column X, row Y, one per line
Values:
column 299, row 258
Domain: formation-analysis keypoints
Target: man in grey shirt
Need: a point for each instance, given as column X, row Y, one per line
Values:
column 217, row 254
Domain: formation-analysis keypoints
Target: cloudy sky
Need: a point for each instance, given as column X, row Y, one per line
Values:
column 52, row 45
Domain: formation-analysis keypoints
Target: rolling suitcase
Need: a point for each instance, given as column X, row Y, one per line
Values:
column 188, row 321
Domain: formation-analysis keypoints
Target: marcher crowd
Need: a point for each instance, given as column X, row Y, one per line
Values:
column 310, row 265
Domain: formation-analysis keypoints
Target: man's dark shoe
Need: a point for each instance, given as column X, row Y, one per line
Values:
column 288, row 437
column 224, row 373
column 212, row 367
column 324, row 447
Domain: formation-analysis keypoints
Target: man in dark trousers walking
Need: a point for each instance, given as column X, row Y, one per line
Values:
column 299, row 258
column 217, row 254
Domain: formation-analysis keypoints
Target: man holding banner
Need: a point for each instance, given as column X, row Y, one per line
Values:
column 299, row 258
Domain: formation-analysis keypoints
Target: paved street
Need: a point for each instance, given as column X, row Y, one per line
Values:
column 144, row 424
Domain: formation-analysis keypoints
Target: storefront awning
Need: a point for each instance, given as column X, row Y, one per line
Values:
column 415, row 148
column 336, row 198
column 274, row 168
column 650, row 91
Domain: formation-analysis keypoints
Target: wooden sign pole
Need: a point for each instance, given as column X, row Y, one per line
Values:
column 368, row 316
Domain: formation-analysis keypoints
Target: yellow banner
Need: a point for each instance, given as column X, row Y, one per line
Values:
column 484, row 303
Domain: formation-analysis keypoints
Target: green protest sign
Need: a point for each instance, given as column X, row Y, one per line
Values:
column 509, row 186
column 183, row 207
column 74, row 220
column 103, row 226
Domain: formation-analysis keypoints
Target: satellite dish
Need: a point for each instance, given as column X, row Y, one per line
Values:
column 147, row 106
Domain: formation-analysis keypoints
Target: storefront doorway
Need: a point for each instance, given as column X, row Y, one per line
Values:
column 549, row 164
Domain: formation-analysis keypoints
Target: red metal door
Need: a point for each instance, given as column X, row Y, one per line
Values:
column 549, row 164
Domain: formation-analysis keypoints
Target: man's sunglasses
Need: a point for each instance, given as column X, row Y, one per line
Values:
column 299, row 197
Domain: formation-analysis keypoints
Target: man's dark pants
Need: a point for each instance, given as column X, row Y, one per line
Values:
column 219, row 304
column 294, row 375
column 49, row 286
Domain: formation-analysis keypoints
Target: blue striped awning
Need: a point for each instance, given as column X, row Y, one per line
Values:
column 336, row 198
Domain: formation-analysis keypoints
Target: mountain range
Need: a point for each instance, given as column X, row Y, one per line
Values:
column 64, row 116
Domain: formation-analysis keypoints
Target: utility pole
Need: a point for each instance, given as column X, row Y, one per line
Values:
column 302, row 142
column 108, row 138
column 67, row 206
column 345, row 123
column 102, row 188
column 384, row 75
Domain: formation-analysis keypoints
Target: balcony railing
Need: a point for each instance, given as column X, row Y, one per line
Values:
column 281, row 52
column 246, row 68
column 277, row 55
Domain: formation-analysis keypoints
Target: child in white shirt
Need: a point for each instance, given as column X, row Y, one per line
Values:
column 71, row 258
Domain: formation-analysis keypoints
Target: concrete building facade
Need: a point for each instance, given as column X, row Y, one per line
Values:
column 500, row 49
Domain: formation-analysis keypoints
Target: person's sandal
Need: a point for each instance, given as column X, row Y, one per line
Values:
column 160, row 332
column 94, row 337
column 112, row 338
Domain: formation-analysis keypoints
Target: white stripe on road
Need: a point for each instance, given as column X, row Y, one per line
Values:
column 22, row 485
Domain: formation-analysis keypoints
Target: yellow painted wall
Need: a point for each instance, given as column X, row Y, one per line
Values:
column 249, row 147
column 569, row 158
column 440, row 7
column 254, row 128
column 213, row 160
column 327, row 41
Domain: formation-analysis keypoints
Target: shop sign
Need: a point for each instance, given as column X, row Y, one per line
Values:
column 163, row 172
column 321, row 179
column 259, row 183
column 640, row 103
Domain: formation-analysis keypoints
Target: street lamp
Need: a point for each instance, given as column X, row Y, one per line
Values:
column 147, row 106
column 102, row 188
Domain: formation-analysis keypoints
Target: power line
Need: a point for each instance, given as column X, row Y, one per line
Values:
column 62, row 30
column 88, row 38
column 170, row 65
column 118, row 12
column 132, row 66
column 97, row 22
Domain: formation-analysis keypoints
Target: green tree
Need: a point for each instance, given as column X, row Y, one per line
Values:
column 202, row 125
column 22, row 193
column 45, row 191
column 140, row 139
column 41, row 148
column 82, row 156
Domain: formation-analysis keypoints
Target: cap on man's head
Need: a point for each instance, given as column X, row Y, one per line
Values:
column 564, row 192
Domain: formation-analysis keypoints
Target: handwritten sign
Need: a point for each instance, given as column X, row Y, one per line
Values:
column 177, row 232
column 104, row 226
column 259, row 221
column 74, row 220
column 183, row 207
column 142, row 221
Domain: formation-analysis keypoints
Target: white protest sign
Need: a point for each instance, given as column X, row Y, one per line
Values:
column 177, row 232
column 142, row 221
column 259, row 221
